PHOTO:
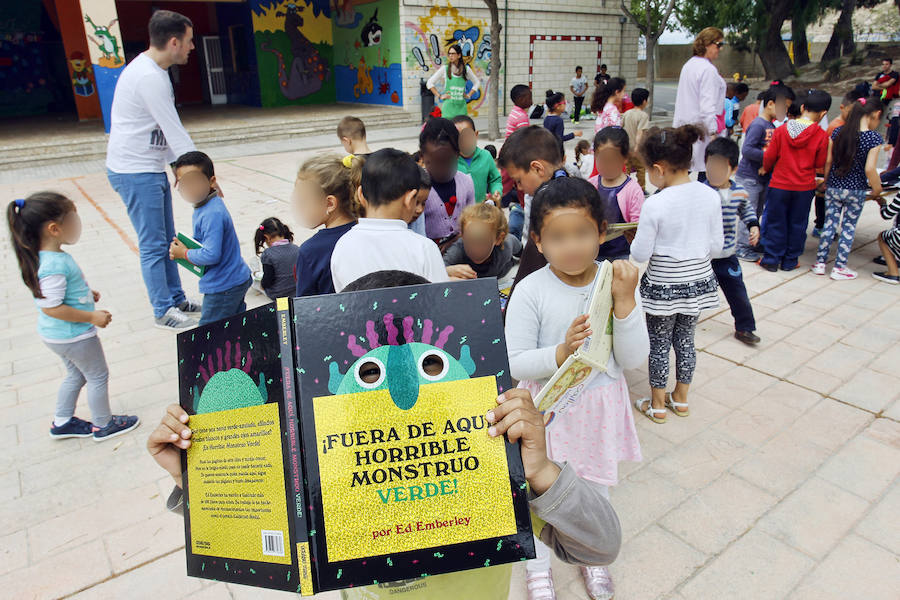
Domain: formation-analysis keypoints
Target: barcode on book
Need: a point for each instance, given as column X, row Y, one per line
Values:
column 272, row 543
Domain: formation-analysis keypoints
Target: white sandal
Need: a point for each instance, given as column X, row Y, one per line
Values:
column 674, row 406
column 650, row 412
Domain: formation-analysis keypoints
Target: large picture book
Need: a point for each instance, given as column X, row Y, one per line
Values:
column 353, row 449
column 562, row 390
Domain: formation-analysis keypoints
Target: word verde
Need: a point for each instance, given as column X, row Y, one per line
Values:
column 404, row 462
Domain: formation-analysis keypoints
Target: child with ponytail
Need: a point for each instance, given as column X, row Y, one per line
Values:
column 67, row 320
column 277, row 257
column 851, row 168
column 605, row 102
column 325, row 195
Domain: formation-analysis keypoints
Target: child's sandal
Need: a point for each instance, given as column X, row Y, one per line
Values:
column 650, row 412
column 674, row 406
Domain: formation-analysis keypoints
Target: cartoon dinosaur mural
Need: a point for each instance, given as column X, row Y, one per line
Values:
column 107, row 43
column 228, row 384
column 308, row 69
column 411, row 364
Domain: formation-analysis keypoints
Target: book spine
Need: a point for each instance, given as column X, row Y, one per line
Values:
column 297, row 494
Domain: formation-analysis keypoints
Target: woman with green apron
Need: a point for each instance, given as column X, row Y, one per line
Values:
column 454, row 78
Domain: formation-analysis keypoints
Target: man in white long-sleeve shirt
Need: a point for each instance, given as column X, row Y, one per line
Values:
column 145, row 135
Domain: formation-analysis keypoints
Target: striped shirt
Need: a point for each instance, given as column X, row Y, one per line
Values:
column 892, row 210
column 517, row 119
column 672, row 286
column 735, row 201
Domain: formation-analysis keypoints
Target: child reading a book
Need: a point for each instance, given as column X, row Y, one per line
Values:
column 324, row 196
column 722, row 156
column 680, row 230
column 277, row 253
column 389, row 184
column 227, row 277
column 39, row 226
column 571, row 515
column 484, row 249
column 622, row 194
column 546, row 323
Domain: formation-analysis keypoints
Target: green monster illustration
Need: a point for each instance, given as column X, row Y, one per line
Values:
column 401, row 368
column 107, row 42
column 227, row 381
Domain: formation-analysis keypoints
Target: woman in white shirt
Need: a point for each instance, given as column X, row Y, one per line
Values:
column 700, row 99
column 454, row 78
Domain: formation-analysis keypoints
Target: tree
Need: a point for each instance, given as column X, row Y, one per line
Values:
column 494, row 77
column 841, row 42
column 651, row 17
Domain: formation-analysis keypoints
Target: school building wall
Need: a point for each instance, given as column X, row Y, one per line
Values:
column 530, row 57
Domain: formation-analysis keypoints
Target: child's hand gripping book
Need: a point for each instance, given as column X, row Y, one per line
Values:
column 614, row 230
column 563, row 389
column 191, row 244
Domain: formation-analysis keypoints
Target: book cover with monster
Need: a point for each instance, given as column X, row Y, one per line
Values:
column 402, row 479
column 244, row 503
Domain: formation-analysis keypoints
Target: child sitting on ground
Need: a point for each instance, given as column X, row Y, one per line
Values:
column 67, row 320
column 278, row 259
column 889, row 242
column 721, row 163
column 383, row 240
column 352, row 133
column 451, row 190
column 484, row 249
column 227, row 277
column 584, row 158
column 324, row 196
column 476, row 162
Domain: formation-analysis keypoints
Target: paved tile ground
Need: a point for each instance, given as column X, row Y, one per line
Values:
column 781, row 484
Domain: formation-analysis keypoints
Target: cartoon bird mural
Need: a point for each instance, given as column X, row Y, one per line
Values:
column 410, row 365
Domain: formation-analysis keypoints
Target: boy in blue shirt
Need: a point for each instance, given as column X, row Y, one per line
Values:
column 227, row 276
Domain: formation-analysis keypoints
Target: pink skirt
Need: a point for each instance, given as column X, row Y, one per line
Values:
column 595, row 434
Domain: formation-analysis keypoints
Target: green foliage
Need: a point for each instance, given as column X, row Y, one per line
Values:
column 655, row 9
column 832, row 68
column 744, row 21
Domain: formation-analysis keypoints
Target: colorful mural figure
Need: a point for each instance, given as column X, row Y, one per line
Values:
column 295, row 50
column 106, row 42
column 369, row 71
column 82, row 82
column 424, row 53
column 308, row 70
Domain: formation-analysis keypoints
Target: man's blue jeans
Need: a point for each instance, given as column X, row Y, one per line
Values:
column 756, row 197
column 148, row 199
column 516, row 220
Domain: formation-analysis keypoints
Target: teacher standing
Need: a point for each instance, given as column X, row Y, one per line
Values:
column 700, row 99
column 454, row 78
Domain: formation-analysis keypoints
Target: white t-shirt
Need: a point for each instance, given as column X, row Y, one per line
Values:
column 381, row 245
column 579, row 84
column 145, row 131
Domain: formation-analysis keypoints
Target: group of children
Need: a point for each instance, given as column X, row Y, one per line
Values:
column 438, row 215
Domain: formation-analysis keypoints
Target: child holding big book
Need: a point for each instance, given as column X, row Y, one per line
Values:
column 569, row 513
column 546, row 323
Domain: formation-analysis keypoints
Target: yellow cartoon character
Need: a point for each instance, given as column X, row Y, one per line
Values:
column 364, row 83
column 82, row 84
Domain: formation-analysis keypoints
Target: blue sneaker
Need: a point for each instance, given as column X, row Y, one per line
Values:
column 748, row 255
column 117, row 425
column 73, row 428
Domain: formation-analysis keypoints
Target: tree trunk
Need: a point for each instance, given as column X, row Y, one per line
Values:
column 494, row 78
column 774, row 56
column 841, row 42
column 798, row 41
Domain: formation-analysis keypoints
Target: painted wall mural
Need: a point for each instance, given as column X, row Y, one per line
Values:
column 295, row 51
column 101, row 26
column 367, row 48
column 428, row 39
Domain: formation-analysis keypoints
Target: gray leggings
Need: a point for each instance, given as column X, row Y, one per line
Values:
column 671, row 331
column 85, row 364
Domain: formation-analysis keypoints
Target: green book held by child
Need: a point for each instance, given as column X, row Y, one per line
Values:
column 191, row 244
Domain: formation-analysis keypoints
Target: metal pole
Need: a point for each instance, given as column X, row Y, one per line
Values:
column 622, row 21
column 505, row 54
